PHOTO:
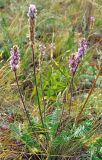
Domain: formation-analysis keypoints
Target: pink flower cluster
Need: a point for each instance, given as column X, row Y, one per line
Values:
column 15, row 58
column 76, row 58
column 32, row 12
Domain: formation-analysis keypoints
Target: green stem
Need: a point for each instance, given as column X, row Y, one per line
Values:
column 34, row 70
column 42, row 89
column 71, row 92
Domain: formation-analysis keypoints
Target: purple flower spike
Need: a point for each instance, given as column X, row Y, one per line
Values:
column 15, row 58
column 73, row 63
column 76, row 59
column 32, row 13
column 82, row 49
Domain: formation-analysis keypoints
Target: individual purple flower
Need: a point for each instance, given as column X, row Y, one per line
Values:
column 32, row 12
column 80, row 52
column 15, row 58
column 92, row 18
column 84, row 44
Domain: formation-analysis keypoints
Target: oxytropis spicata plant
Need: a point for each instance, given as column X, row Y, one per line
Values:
column 14, row 62
column 74, row 62
column 32, row 13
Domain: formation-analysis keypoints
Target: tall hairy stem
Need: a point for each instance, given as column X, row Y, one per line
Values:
column 32, row 24
column 41, row 85
column 89, row 94
column 34, row 70
column 21, row 97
